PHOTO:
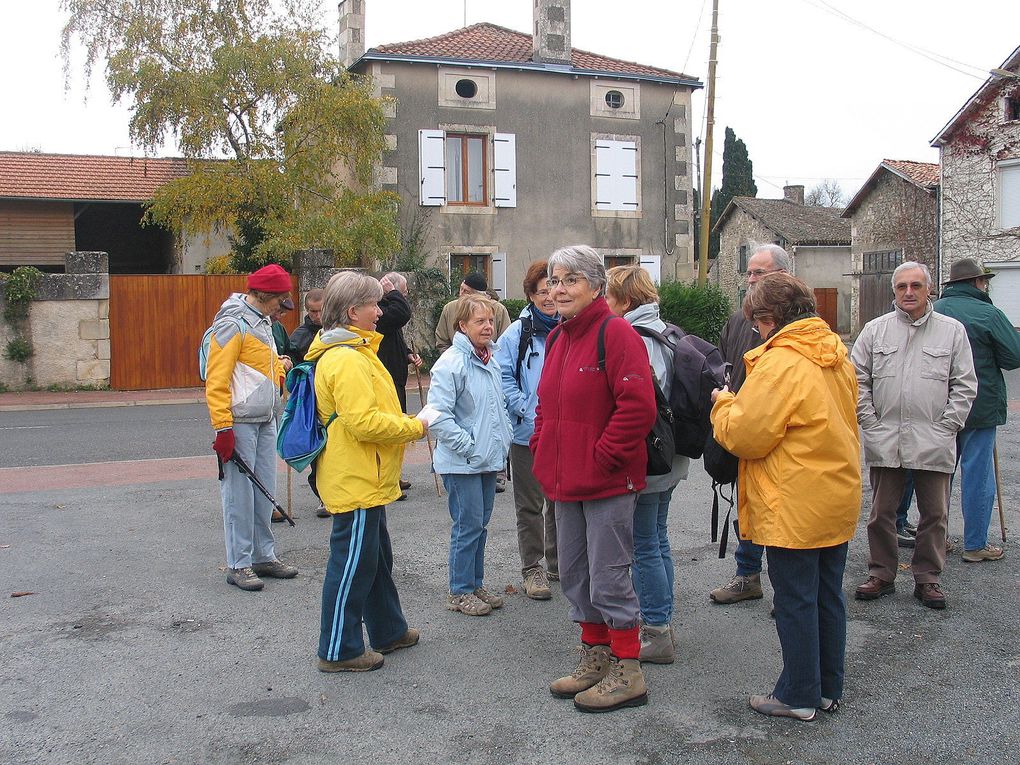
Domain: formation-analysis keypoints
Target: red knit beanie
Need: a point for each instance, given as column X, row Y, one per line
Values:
column 271, row 278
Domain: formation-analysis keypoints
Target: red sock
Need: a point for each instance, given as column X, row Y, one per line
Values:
column 625, row 644
column 595, row 634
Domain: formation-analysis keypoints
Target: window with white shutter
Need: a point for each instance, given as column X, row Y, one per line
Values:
column 504, row 169
column 432, row 167
column 498, row 282
column 616, row 185
column 1009, row 194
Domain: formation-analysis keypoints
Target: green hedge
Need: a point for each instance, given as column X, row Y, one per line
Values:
column 702, row 311
column 514, row 307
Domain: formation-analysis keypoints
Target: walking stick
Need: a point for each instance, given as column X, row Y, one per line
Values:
column 290, row 506
column 428, row 438
column 247, row 471
column 998, row 491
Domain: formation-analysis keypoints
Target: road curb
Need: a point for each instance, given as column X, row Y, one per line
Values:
column 98, row 404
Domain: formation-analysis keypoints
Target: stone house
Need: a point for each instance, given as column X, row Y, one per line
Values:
column 817, row 239
column 504, row 146
column 51, row 204
column 893, row 219
column 979, row 150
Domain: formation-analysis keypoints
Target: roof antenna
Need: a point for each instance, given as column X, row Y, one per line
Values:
column 465, row 12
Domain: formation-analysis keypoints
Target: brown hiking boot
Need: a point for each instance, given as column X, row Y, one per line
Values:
column 623, row 686
column 740, row 588
column 244, row 578
column 536, row 585
column 988, row 552
column 592, row 667
column 874, row 588
column 657, row 645
column 368, row 661
column 930, row 594
column 408, row 639
column 494, row 601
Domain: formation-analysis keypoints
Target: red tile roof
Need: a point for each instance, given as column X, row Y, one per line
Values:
column 489, row 42
column 924, row 174
column 28, row 175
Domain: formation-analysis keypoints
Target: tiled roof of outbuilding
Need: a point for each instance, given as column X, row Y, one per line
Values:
column 925, row 175
column 29, row 175
column 797, row 224
column 489, row 42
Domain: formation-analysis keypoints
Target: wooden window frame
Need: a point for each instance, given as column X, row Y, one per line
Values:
column 464, row 138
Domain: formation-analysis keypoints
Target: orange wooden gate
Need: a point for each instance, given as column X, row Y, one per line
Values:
column 157, row 323
column 826, row 301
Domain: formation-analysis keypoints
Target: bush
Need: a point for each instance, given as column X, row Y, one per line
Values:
column 702, row 311
column 18, row 349
column 514, row 307
column 220, row 264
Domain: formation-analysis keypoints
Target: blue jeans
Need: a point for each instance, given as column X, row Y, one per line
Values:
column 246, row 511
column 470, row 496
column 358, row 587
column 747, row 555
column 975, row 450
column 653, row 561
column 811, row 622
column 908, row 497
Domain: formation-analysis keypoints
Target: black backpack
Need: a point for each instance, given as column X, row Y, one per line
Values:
column 721, row 466
column 698, row 369
column 659, row 442
column 524, row 351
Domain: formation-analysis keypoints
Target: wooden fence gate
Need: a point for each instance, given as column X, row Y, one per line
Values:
column 157, row 323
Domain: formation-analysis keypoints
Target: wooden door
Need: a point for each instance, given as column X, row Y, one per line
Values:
column 876, row 296
column 826, row 302
column 157, row 323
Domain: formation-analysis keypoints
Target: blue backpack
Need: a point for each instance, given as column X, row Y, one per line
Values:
column 302, row 436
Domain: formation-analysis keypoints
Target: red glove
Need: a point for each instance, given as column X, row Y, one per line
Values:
column 224, row 444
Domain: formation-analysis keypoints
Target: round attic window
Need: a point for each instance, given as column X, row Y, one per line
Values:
column 466, row 88
column 614, row 99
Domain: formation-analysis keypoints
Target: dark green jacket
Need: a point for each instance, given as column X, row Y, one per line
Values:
column 994, row 343
column 282, row 341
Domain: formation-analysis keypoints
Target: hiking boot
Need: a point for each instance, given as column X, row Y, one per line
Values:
column 905, row 539
column 623, row 686
column 874, row 588
column 404, row 485
column 910, row 528
column 829, row 706
column 275, row 569
column 657, row 644
column 321, row 511
column 409, row 639
column 593, row 666
column 988, row 552
column 277, row 517
column 536, row 585
column 244, row 578
column 500, row 484
column 773, row 707
column 553, row 576
column 950, row 545
column 469, row 604
column 368, row 661
column 930, row 594
column 740, row 588
column 485, row 596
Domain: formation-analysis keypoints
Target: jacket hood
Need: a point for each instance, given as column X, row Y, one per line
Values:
column 965, row 290
column 349, row 336
column 237, row 307
column 646, row 315
column 811, row 338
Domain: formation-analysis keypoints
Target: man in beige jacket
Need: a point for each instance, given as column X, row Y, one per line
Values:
column 447, row 326
column 916, row 383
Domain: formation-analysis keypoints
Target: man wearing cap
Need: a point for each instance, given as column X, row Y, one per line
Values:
column 242, row 390
column 447, row 326
column 995, row 346
column 916, row 382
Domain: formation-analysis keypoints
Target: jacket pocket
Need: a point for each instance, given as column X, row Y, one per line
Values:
column 884, row 361
column 935, row 362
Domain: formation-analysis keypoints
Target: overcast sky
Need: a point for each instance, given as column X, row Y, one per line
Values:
column 812, row 93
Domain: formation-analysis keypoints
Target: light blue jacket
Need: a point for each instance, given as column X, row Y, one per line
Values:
column 522, row 398
column 473, row 430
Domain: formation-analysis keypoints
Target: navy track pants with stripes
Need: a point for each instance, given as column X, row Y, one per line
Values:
column 359, row 587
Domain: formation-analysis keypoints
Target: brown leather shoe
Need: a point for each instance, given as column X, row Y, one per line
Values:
column 874, row 588
column 930, row 594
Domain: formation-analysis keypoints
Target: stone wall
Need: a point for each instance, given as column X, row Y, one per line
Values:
column 969, row 184
column 68, row 326
column 739, row 229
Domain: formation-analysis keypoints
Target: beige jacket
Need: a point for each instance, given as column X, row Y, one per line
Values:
column 916, row 383
column 447, row 326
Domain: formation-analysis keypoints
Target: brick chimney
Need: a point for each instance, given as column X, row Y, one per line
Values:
column 352, row 30
column 551, row 43
column 794, row 194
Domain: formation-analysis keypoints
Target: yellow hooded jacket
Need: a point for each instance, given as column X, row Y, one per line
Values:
column 794, row 427
column 360, row 466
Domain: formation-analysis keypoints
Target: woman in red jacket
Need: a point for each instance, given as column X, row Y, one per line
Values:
column 589, row 447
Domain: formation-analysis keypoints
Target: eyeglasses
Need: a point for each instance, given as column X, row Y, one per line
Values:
column 759, row 272
column 542, row 293
column 567, row 281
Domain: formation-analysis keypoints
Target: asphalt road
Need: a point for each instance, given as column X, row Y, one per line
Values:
column 133, row 649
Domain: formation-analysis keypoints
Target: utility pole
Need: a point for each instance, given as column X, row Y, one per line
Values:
column 706, row 186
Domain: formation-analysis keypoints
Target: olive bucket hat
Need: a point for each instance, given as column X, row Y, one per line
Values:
column 966, row 269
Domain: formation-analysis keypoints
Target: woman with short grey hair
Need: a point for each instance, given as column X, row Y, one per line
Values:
column 357, row 475
column 580, row 260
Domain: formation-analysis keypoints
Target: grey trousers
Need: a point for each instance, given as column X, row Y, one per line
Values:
column 536, row 532
column 932, row 490
column 247, row 528
column 595, row 542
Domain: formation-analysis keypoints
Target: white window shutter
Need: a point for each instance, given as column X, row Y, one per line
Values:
column 1009, row 196
column 653, row 265
column 432, row 167
column 504, row 169
column 616, row 176
column 499, row 274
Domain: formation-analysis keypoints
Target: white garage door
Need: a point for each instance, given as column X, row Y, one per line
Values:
column 1005, row 289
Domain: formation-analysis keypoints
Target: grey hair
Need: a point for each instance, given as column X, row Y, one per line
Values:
column 399, row 281
column 780, row 258
column 347, row 290
column 906, row 267
column 583, row 260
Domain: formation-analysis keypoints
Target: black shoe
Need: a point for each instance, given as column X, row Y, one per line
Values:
column 905, row 539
